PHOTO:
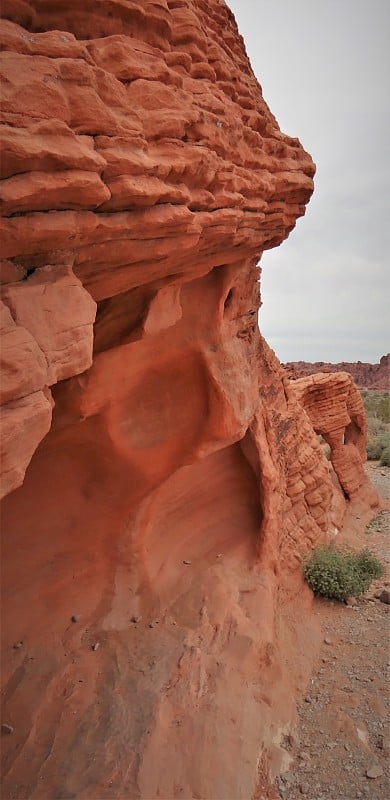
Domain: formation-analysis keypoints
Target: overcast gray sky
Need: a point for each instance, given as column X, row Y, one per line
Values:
column 324, row 67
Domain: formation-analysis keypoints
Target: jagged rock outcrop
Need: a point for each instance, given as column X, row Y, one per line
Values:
column 168, row 507
column 366, row 376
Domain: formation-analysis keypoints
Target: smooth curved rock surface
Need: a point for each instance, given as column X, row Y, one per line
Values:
column 168, row 508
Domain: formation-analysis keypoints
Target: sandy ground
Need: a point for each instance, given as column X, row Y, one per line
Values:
column 341, row 749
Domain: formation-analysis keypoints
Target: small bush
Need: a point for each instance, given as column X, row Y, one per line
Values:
column 326, row 451
column 377, row 404
column 377, row 443
column 374, row 450
column 369, row 564
column 384, row 408
column 374, row 425
column 385, row 457
column 325, row 446
column 378, row 523
column 338, row 574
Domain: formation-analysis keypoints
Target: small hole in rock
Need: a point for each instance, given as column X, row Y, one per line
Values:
column 228, row 299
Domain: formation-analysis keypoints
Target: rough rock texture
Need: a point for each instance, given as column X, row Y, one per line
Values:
column 47, row 335
column 336, row 410
column 168, row 507
column 366, row 376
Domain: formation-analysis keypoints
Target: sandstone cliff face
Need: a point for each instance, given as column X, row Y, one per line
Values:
column 172, row 477
column 366, row 376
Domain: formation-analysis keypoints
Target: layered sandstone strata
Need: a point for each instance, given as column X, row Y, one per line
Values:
column 168, row 507
column 335, row 407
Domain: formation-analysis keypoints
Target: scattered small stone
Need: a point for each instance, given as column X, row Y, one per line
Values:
column 384, row 596
column 154, row 623
column 219, row 555
column 374, row 772
column 327, row 640
column 380, row 742
column 95, row 646
column 76, row 617
column 308, row 699
column 350, row 601
column 293, row 739
column 304, row 788
column 186, row 562
column 135, row 618
column 7, row 728
column 81, row 680
column 17, row 645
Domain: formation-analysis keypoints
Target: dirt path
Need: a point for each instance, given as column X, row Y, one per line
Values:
column 342, row 747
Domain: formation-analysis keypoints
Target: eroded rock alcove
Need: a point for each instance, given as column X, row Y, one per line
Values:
column 161, row 478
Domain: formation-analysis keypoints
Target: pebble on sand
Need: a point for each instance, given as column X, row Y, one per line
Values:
column 374, row 772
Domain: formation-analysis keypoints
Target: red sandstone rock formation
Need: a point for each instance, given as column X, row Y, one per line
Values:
column 170, row 502
column 335, row 407
column 366, row 376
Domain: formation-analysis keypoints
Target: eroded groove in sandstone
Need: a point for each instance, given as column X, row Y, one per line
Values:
column 170, row 493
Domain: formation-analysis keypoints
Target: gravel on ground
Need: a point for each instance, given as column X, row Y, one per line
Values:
column 341, row 747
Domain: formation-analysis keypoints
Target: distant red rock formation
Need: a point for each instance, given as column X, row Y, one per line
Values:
column 366, row 376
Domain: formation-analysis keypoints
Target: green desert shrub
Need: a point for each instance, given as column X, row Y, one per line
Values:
column 369, row 564
column 377, row 442
column 338, row 574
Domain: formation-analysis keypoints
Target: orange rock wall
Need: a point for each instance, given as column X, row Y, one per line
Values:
column 162, row 480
